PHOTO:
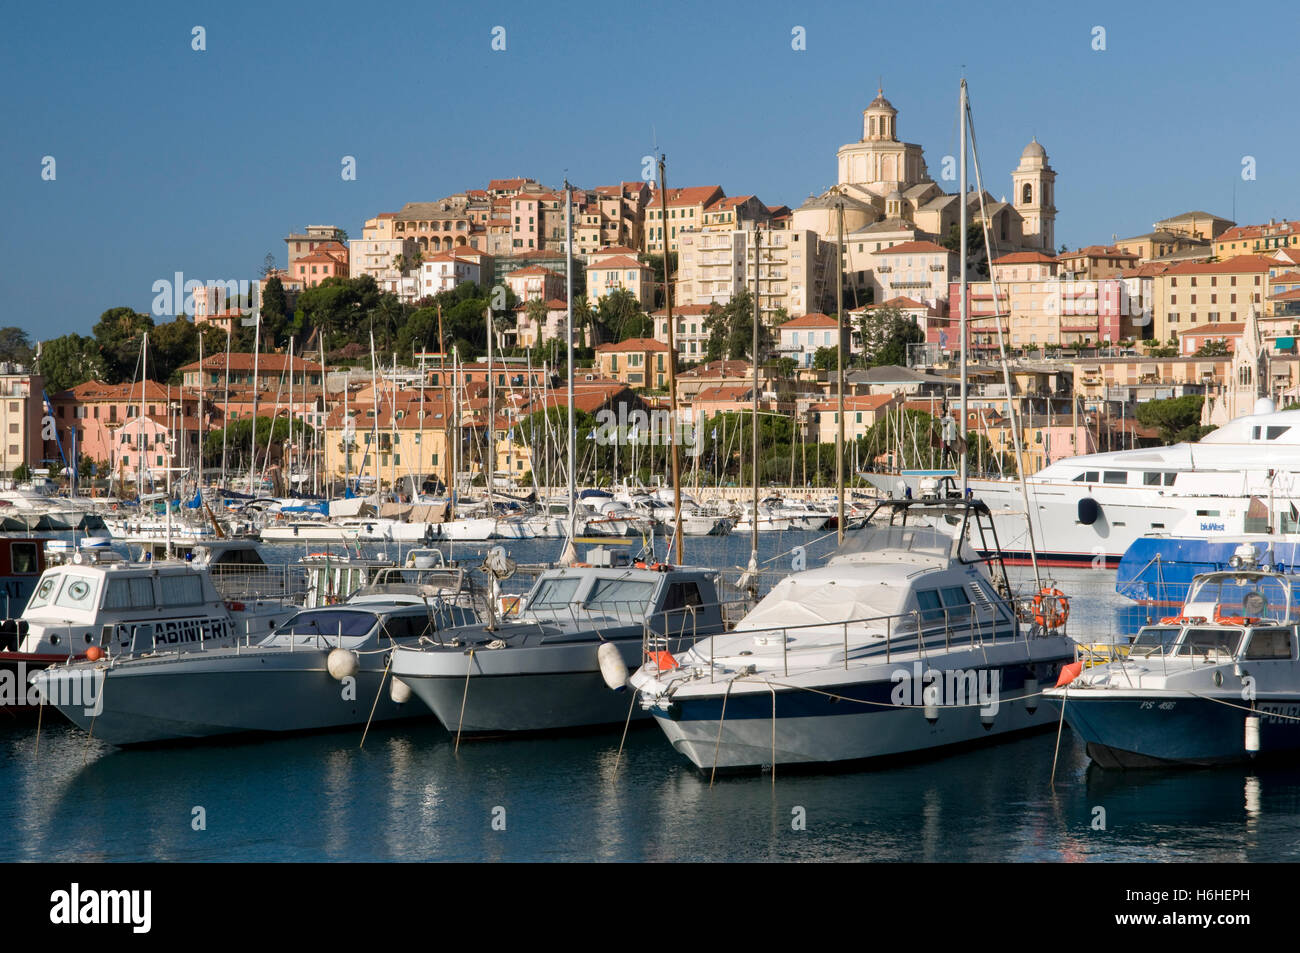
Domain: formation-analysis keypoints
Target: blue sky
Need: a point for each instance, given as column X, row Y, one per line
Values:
column 168, row 159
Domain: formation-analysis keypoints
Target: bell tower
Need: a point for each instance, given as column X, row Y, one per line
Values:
column 1034, row 189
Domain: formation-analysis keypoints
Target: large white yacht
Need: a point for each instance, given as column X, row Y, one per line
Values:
column 1087, row 510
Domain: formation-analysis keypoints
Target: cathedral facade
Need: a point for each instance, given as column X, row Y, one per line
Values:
column 889, row 196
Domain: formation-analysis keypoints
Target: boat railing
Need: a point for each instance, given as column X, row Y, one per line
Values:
column 915, row 631
column 251, row 582
column 673, row 630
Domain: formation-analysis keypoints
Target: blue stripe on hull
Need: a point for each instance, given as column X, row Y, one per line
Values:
column 1123, row 733
column 877, row 696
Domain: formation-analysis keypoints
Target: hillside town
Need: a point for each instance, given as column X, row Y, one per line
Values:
column 430, row 341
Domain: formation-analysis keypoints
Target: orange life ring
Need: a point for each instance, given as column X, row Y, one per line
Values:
column 1051, row 608
column 1182, row 619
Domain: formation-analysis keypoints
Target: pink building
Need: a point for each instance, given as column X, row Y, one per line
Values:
column 327, row 260
column 536, row 282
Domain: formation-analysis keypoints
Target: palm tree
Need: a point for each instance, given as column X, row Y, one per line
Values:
column 582, row 319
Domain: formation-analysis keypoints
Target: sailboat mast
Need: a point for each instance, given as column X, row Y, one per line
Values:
column 961, row 267
column 225, row 410
column 144, row 376
column 839, row 372
column 491, row 460
column 568, row 328
column 252, row 458
column 753, row 475
column 672, row 364
column 288, row 457
column 374, row 426
column 324, row 422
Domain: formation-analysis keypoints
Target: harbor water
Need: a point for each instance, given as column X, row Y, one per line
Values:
column 408, row 794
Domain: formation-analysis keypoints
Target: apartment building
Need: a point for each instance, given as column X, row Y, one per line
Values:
column 690, row 336
column 795, row 268
column 22, row 414
column 298, row 244
column 1257, row 239
column 637, row 362
column 685, row 212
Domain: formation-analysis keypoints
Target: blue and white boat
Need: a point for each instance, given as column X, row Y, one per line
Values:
column 906, row 641
column 1217, row 683
column 1158, row 570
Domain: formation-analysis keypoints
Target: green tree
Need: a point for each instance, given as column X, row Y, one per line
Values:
column 15, row 346
column 620, row 316
column 120, row 334
column 1177, row 418
column 885, row 334
column 826, row 359
column 171, row 346
column 1213, row 349
column 976, row 254
column 68, row 361
column 731, row 329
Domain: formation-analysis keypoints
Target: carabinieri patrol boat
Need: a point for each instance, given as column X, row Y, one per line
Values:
column 93, row 603
column 1219, row 682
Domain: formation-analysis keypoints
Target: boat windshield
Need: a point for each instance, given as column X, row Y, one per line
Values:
column 554, row 593
column 68, row 591
column 921, row 539
column 45, row 591
column 1257, row 595
column 328, row 622
column 1219, row 642
column 621, row 595
column 1153, row 640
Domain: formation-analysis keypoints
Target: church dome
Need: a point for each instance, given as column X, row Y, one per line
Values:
column 880, row 103
column 1034, row 150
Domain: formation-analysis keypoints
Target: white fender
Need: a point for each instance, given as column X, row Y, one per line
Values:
column 342, row 663
column 399, row 691
column 612, row 667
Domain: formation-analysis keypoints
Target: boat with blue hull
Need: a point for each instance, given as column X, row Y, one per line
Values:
column 905, row 642
column 1217, row 683
column 1158, row 570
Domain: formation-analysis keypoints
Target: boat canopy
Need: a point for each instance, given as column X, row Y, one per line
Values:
column 824, row 596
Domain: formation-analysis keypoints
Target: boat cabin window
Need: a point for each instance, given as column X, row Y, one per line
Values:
column 1170, row 478
column 954, row 597
column 682, row 595
column 930, row 604
column 1269, row 644
column 23, row 558
column 1153, row 640
column 1210, row 641
column 45, row 591
column 1088, row 476
column 407, row 626
column 78, row 592
column 553, row 593
column 1272, row 433
column 328, row 622
column 621, row 594
column 1115, row 476
column 178, row 590
column 129, row 594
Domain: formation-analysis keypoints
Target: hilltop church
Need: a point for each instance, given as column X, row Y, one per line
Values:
column 889, row 199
